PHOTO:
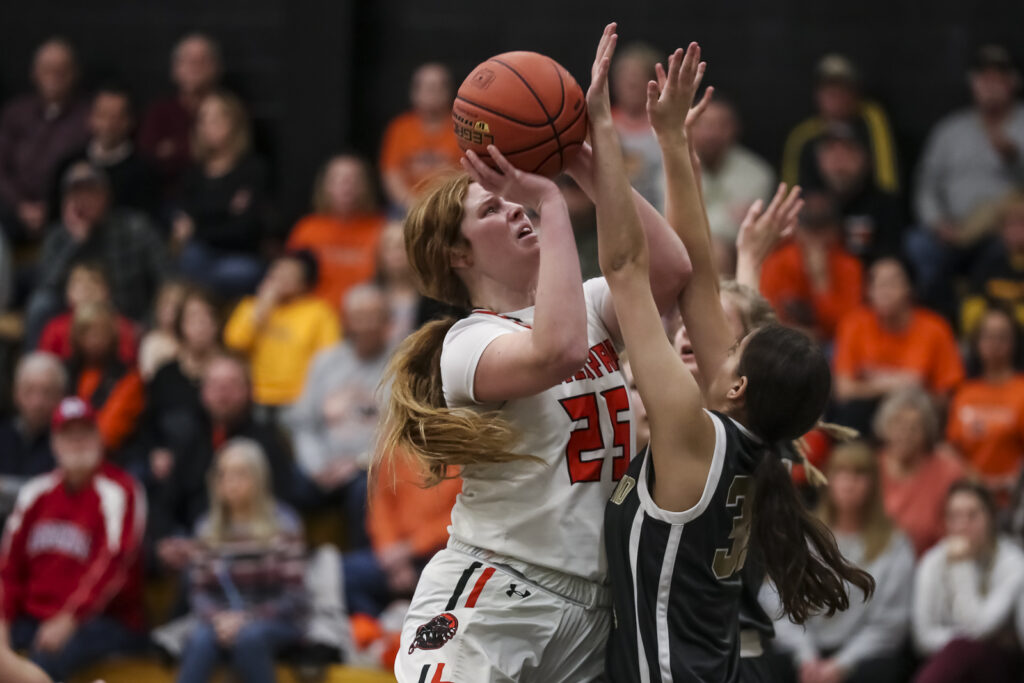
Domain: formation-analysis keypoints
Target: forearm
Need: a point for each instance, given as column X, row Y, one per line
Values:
column 700, row 302
column 560, row 317
column 622, row 245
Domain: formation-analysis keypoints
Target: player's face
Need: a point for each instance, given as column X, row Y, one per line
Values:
column 682, row 338
column 966, row 517
column 503, row 245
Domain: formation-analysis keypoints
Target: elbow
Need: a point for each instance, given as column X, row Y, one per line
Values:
column 568, row 360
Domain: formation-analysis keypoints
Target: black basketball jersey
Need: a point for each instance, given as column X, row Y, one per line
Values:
column 676, row 576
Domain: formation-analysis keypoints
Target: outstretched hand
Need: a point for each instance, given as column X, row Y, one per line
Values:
column 670, row 97
column 599, row 106
column 763, row 228
column 508, row 182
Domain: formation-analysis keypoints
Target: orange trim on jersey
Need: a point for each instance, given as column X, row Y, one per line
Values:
column 517, row 321
column 480, row 583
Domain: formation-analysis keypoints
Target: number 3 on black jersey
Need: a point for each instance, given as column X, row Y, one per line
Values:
column 730, row 560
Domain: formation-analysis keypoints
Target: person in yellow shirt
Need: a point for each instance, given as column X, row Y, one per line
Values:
column 281, row 328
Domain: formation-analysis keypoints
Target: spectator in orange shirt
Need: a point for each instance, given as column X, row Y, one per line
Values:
column 915, row 479
column 344, row 230
column 812, row 282
column 986, row 418
column 96, row 374
column 87, row 283
column 407, row 525
column 889, row 345
column 421, row 142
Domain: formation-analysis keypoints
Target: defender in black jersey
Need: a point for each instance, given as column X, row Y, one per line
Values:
column 685, row 567
column 711, row 489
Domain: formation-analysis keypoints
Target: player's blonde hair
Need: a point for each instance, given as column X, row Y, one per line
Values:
column 417, row 423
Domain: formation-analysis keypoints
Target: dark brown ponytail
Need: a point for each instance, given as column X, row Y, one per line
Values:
column 788, row 385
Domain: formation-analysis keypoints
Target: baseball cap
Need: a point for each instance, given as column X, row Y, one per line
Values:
column 82, row 174
column 992, row 56
column 836, row 68
column 72, row 409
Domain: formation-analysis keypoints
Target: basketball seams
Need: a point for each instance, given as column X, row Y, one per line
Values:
column 504, row 116
column 551, row 121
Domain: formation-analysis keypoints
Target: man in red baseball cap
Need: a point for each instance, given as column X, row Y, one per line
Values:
column 69, row 566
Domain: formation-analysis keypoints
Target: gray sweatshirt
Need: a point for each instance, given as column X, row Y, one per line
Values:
column 337, row 414
column 876, row 628
column 960, row 170
column 950, row 600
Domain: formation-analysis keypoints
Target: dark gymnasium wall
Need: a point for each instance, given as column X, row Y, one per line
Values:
column 326, row 75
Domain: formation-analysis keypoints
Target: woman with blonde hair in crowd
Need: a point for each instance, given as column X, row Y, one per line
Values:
column 344, row 229
column 915, row 476
column 247, row 577
column 967, row 588
column 867, row 641
column 222, row 214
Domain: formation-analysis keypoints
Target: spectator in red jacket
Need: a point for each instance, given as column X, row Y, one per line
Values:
column 165, row 134
column 70, row 572
column 87, row 284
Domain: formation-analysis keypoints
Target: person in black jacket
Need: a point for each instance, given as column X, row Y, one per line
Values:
column 872, row 218
column 226, row 397
column 39, row 384
column 110, row 147
column 223, row 205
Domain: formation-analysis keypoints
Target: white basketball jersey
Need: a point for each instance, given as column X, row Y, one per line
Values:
column 549, row 514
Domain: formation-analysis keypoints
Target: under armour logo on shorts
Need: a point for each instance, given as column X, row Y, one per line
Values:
column 512, row 591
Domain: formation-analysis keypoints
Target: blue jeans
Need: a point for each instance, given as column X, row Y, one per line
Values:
column 351, row 495
column 251, row 658
column 225, row 272
column 91, row 641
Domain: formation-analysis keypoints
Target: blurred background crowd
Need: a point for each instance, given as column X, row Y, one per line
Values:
column 158, row 305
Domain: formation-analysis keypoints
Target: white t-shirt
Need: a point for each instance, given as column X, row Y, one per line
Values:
column 550, row 514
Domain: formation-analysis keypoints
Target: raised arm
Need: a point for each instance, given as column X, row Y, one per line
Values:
column 517, row 365
column 668, row 104
column 682, row 435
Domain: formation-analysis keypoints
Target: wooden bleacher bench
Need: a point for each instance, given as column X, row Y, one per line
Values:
column 150, row 670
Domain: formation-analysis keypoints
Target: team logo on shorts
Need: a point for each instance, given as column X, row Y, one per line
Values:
column 435, row 633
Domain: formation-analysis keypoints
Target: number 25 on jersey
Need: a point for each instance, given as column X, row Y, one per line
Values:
column 588, row 438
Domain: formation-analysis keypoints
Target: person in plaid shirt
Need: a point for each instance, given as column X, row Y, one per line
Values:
column 123, row 241
column 246, row 578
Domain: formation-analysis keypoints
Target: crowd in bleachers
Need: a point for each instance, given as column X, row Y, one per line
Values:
column 193, row 400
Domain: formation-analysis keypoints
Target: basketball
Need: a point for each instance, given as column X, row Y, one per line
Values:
column 525, row 104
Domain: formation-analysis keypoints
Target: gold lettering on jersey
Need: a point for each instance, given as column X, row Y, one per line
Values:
column 626, row 484
column 730, row 560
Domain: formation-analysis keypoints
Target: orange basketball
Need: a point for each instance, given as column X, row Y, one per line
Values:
column 525, row 104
